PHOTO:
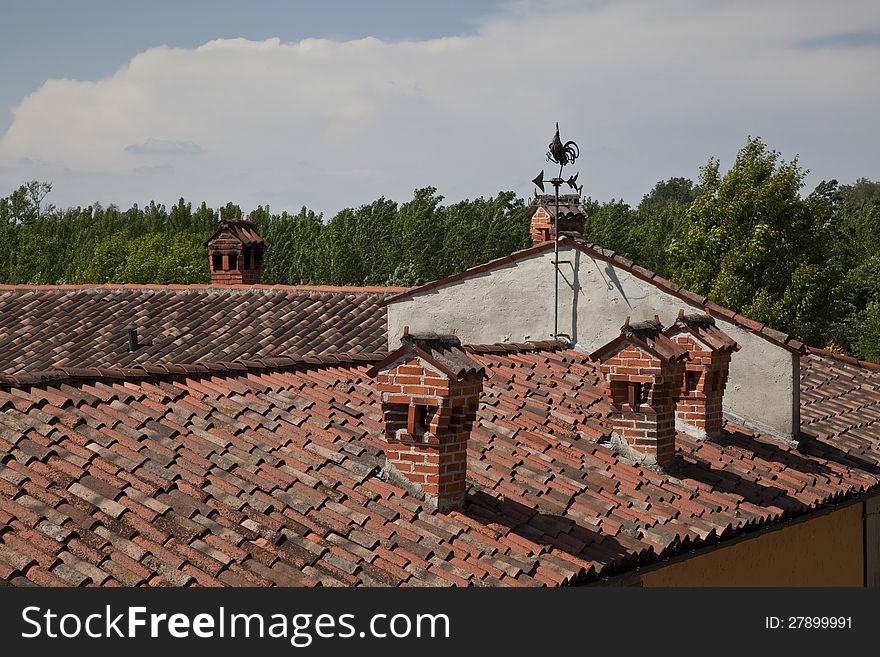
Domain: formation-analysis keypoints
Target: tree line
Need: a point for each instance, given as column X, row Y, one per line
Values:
column 380, row 243
column 749, row 238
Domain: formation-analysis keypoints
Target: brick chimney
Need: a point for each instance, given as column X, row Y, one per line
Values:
column 642, row 370
column 235, row 253
column 698, row 408
column 430, row 393
column 571, row 217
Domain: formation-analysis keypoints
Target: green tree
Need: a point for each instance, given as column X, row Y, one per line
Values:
column 854, row 254
column 230, row 211
column 26, row 203
column 152, row 258
column 754, row 245
column 868, row 325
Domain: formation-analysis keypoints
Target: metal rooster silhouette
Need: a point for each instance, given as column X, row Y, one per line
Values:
column 561, row 153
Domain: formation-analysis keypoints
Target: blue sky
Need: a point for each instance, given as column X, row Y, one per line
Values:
column 90, row 39
column 330, row 104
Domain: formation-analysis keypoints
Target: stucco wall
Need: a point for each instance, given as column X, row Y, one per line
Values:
column 514, row 303
column 825, row 551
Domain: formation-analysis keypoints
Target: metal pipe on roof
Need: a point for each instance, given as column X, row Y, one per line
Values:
column 132, row 337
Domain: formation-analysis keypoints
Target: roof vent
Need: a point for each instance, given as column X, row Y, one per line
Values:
column 132, row 337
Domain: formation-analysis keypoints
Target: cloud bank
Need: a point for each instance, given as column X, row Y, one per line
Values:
column 648, row 90
column 153, row 146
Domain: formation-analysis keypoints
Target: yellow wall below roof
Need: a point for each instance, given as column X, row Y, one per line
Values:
column 825, row 551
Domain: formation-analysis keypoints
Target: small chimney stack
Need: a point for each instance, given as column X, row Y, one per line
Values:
column 235, row 253
column 430, row 394
column 642, row 369
column 699, row 403
column 570, row 221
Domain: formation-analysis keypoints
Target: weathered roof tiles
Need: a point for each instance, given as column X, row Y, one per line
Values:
column 86, row 326
column 272, row 476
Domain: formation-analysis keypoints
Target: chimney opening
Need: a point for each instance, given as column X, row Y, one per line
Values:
column 233, row 262
column 417, row 420
column 634, row 394
column 691, row 380
column 217, row 262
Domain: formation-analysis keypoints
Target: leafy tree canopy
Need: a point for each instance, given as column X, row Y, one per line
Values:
column 754, row 245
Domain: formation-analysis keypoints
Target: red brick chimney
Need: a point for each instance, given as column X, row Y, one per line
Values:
column 571, row 217
column 642, row 370
column 698, row 408
column 235, row 253
column 430, row 393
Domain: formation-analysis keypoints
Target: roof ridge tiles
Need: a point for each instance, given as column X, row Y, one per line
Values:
column 141, row 372
column 843, row 358
column 174, row 287
column 516, row 347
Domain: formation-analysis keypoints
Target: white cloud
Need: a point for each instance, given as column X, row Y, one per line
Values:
column 153, row 146
column 154, row 170
column 649, row 90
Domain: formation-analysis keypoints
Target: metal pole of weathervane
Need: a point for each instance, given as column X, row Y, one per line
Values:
column 561, row 154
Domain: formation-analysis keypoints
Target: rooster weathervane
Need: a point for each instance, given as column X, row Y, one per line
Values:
column 560, row 153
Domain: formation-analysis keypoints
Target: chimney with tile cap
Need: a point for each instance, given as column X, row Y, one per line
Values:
column 235, row 253
column 430, row 393
column 642, row 369
column 570, row 222
column 699, row 403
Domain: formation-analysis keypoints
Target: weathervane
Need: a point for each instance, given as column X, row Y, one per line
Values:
column 562, row 154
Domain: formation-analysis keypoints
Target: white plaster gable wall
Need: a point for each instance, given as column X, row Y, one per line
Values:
column 514, row 303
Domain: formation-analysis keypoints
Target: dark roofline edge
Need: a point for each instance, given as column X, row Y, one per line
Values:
column 627, row 575
column 771, row 335
column 177, row 287
column 849, row 360
column 168, row 371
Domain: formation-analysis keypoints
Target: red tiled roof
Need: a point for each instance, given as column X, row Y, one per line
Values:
column 268, row 473
column 648, row 336
column 569, row 205
column 43, row 327
column 606, row 255
column 241, row 229
column 840, row 406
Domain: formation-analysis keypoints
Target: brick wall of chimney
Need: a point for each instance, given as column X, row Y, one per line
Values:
column 428, row 419
column 642, row 390
column 699, row 406
column 225, row 274
column 541, row 227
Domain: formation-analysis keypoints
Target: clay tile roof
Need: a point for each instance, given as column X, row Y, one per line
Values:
column 444, row 351
column 702, row 326
column 569, row 205
column 840, row 407
column 271, row 474
column 241, row 229
column 649, row 336
column 43, row 327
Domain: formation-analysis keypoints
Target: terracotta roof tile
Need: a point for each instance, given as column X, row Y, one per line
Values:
column 269, row 476
column 82, row 327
